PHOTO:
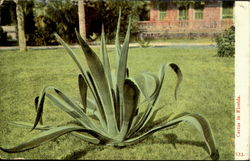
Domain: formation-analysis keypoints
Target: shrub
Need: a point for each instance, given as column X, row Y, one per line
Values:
column 106, row 12
column 143, row 41
column 225, row 43
column 113, row 116
column 43, row 20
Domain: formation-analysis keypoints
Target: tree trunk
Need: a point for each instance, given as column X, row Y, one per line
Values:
column 82, row 18
column 20, row 26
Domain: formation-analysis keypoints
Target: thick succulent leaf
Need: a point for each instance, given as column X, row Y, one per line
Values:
column 150, row 98
column 122, row 68
column 143, row 136
column 131, row 99
column 177, row 71
column 159, row 121
column 141, row 81
column 40, row 106
column 198, row 121
column 179, row 75
column 149, row 112
column 147, row 122
column 67, row 108
column 155, row 96
column 116, row 99
column 134, row 122
column 36, row 107
column 203, row 126
column 71, row 53
column 81, row 135
column 106, row 63
column 141, row 119
column 127, row 72
column 89, row 139
column 92, row 107
column 41, row 138
column 157, row 86
column 81, row 117
column 163, row 70
column 85, row 73
column 102, row 84
column 83, row 91
column 144, row 84
column 121, row 71
column 70, row 102
column 29, row 125
column 117, row 39
column 99, row 104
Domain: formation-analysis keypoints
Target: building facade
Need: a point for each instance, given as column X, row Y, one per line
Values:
column 168, row 19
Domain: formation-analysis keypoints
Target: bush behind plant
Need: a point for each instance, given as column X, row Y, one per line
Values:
column 226, row 43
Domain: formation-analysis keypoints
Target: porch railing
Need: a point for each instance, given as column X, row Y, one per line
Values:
column 184, row 26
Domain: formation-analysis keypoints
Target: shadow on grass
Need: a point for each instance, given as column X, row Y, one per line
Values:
column 80, row 153
column 173, row 139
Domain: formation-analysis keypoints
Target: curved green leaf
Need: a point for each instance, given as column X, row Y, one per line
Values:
column 121, row 72
column 30, row 125
column 98, row 101
column 84, row 73
column 117, row 39
column 89, row 139
column 142, row 80
column 79, row 116
column 36, row 101
column 198, row 121
column 41, row 138
column 40, row 106
column 131, row 99
column 149, row 112
column 106, row 63
column 102, row 84
column 179, row 75
column 71, row 53
column 83, row 91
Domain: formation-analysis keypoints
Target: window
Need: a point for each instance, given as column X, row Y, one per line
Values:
column 198, row 11
column 183, row 13
column 227, row 9
column 163, row 10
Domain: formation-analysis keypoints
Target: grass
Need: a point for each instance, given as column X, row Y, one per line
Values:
column 207, row 88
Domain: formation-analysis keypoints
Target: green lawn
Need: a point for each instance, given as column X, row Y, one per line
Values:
column 207, row 88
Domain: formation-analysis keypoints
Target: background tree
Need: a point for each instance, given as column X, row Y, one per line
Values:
column 106, row 12
column 43, row 18
column 20, row 25
column 54, row 16
column 82, row 18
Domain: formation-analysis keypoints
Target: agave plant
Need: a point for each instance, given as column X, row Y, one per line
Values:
column 114, row 114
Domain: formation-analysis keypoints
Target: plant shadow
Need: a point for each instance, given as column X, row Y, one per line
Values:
column 80, row 153
column 173, row 139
